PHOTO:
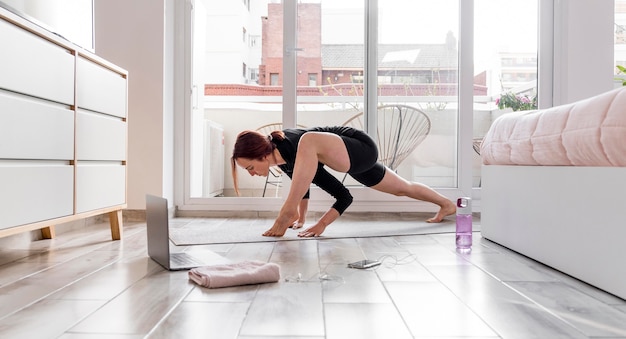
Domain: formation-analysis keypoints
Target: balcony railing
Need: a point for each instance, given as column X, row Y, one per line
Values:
column 236, row 113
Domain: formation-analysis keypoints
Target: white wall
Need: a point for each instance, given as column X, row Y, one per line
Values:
column 168, row 103
column 71, row 19
column 132, row 34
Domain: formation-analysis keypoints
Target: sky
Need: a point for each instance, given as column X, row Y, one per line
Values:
column 500, row 25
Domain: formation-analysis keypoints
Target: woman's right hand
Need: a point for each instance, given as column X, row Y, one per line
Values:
column 285, row 219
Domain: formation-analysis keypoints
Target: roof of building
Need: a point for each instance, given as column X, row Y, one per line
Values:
column 414, row 56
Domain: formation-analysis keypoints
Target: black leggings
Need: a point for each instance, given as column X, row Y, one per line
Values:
column 363, row 153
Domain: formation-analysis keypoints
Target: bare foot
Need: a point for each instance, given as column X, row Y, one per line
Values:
column 276, row 231
column 448, row 209
column 313, row 231
column 281, row 224
column 297, row 224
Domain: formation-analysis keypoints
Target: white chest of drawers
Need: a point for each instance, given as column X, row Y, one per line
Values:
column 63, row 131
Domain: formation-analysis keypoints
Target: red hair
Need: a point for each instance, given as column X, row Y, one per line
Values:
column 252, row 145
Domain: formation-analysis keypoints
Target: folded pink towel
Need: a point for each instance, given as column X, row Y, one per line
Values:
column 242, row 273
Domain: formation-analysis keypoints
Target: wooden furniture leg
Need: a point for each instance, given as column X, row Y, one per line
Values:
column 47, row 232
column 115, row 219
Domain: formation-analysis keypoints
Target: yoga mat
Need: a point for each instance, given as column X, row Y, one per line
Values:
column 239, row 230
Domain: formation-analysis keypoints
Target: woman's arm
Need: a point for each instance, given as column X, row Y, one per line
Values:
column 330, row 184
column 314, row 148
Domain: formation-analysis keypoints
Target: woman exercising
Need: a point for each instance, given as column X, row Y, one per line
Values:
column 302, row 154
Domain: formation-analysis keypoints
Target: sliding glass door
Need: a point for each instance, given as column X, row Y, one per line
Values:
column 269, row 64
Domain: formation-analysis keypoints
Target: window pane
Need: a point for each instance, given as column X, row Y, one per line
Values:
column 273, row 79
column 417, row 89
column 416, row 71
column 505, row 63
column 330, row 34
column 238, row 80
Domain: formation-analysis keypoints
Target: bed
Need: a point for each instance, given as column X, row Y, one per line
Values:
column 554, row 187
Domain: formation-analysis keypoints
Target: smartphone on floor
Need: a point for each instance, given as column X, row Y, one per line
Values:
column 362, row 264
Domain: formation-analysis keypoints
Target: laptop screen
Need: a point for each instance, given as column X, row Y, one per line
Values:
column 157, row 228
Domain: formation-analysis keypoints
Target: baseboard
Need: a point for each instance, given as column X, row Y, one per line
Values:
column 134, row 215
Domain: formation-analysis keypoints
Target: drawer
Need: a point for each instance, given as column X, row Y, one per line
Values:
column 99, row 185
column 35, row 191
column 34, row 66
column 100, row 137
column 100, row 89
column 35, row 129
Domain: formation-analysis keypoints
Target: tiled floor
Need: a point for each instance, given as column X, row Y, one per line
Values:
column 82, row 285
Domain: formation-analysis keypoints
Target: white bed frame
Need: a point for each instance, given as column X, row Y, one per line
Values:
column 570, row 218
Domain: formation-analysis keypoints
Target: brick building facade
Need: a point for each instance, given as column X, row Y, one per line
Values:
column 337, row 70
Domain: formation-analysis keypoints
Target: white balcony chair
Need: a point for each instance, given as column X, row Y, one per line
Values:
column 400, row 129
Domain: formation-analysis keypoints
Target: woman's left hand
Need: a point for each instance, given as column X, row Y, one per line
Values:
column 313, row 231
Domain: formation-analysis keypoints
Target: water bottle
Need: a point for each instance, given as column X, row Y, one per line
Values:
column 464, row 225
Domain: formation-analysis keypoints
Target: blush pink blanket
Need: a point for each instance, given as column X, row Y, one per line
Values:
column 590, row 132
column 236, row 274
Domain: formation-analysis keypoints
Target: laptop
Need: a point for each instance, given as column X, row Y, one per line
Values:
column 157, row 225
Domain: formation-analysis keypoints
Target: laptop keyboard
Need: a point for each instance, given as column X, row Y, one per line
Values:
column 183, row 259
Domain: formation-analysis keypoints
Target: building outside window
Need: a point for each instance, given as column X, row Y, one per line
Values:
column 254, row 75
column 274, row 79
